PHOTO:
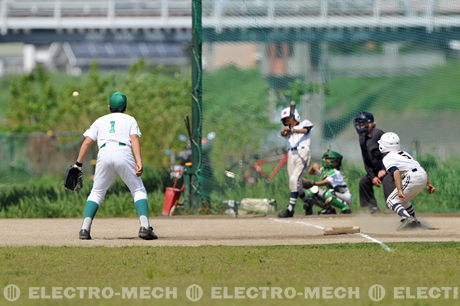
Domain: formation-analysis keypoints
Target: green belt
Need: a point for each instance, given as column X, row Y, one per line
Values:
column 121, row 144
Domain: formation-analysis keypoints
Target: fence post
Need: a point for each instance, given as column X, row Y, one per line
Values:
column 195, row 178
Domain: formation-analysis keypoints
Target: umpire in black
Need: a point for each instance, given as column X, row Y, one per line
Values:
column 372, row 158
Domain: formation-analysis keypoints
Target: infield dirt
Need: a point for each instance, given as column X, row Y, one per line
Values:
column 221, row 230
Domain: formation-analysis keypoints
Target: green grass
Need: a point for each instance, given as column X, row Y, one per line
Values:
column 47, row 198
column 344, row 265
column 443, row 174
column 434, row 91
column 238, row 99
column 235, row 108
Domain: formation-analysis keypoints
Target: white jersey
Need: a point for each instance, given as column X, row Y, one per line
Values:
column 297, row 140
column 403, row 161
column 114, row 127
column 335, row 178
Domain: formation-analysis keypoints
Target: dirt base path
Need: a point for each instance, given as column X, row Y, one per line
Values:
column 216, row 230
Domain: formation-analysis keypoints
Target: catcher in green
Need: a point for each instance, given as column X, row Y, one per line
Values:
column 331, row 192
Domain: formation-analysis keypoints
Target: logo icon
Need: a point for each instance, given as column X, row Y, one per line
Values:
column 194, row 293
column 376, row 292
column 11, row 293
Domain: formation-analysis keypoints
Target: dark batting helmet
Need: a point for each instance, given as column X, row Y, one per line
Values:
column 363, row 117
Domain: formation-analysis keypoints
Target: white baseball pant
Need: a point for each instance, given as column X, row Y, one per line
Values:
column 114, row 159
column 412, row 184
column 298, row 161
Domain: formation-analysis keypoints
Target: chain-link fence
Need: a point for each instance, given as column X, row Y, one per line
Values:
column 396, row 59
column 35, row 154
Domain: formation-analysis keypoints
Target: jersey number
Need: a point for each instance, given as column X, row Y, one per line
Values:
column 112, row 127
column 405, row 155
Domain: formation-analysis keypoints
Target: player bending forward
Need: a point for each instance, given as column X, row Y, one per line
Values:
column 117, row 136
column 297, row 134
column 410, row 179
column 334, row 192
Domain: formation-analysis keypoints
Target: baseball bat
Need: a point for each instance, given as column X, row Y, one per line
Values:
column 292, row 110
column 189, row 130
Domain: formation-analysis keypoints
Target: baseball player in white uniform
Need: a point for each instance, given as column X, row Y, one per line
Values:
column 410, row 179
column 117, row 135
column 297, row 133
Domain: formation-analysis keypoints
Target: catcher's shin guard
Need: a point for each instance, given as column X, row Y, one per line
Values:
column 332, row 200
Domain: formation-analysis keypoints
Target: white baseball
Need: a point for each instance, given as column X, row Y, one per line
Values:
column 75, row 94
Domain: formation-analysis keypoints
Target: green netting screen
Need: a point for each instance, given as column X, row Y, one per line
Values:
column 25, row 155
column 399, row 60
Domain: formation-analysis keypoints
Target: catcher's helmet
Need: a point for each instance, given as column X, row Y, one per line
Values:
column 285, row 113
column 389, row 142
column 331, row 157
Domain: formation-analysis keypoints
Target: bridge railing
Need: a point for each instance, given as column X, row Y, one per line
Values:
column 29, row 14
column 85, row 8
column 215, row 8
column 328, row 8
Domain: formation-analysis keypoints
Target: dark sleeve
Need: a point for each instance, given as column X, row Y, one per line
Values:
column 371, row 154
column 307, row 125
column 377, row 156
column 366, row 157
column 369, row 171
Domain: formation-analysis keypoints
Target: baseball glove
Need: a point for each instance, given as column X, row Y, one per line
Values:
column 307, row 184
column 73, row 180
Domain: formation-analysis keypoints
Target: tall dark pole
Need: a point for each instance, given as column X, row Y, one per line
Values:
column 195, row 182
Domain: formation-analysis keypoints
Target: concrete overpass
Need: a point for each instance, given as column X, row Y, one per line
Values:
column 97, row 24
column 46, row 21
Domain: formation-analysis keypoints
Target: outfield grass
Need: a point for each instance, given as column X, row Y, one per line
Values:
column 345, row 265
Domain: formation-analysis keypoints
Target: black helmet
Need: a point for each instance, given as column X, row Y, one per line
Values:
column 364, row 117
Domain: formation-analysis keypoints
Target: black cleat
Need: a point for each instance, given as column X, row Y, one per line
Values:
column 408, row 223
column 84, row 235
column 417, row 223
column 327, row 211
column 286, row 213
column 308, row 209
column 346, row 211
column 147, row 233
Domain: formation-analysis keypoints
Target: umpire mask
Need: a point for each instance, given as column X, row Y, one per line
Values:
column 362, row 121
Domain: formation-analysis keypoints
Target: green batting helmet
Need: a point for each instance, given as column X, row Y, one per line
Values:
column 331, row 157
column 118, row 101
